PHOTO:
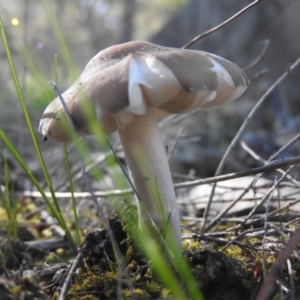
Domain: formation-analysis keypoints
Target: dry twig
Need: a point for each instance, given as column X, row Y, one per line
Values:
column 260, row 57
column 171, row 151
column 226, row 209
column 281, row 163
column 268, row 194
column 258, row 158
column 197, row 38
column 241, row 131
column 68, row 278
column 268, row 285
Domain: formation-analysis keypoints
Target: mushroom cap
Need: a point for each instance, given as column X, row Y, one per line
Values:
column 123, row 80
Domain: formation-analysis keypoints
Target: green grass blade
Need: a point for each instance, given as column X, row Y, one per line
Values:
column 65, row 52
column 6, row 195
column 12, row 233
column 77, row 233
column 3, row 265
column 32, row 135
column 24, row 109
column 57, row 214
column 150, row 245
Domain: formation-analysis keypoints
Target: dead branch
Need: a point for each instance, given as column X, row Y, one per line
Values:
column 268, row 194
column 242, row 129
column 179, row 135
column 276, row 164
column 268, row 285
column 258, row 158
column 259, row 58
column 67, row 281
column 197, row 38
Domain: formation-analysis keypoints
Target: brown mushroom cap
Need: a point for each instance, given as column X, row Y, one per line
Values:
column 123, row 80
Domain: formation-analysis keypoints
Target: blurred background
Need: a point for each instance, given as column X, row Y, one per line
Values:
column 37, row 30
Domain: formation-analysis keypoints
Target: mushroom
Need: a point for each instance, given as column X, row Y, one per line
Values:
column 126, row 84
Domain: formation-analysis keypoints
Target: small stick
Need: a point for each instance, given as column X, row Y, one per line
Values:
column 267, row 288
column 268, row 194
column 258, row 59
column 172, row 119
column 280, row 163
column 194, row 40
column 68, row 278
column 258, row 220
column 222, row 213
column 290, row 272
column 266, row 231
column 176, row 143
column 286, row 146
column 259, row 74
column 54, row 85
column 275, row 164
column 257, row 157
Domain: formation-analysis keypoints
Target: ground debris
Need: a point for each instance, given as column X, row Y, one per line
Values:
column 218, row 269
column 234, row 267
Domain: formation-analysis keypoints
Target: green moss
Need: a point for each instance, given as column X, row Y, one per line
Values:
column 153, row 288
column 191, row 244
column 15, row 290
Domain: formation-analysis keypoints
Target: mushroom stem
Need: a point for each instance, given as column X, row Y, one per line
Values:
column 149, row 168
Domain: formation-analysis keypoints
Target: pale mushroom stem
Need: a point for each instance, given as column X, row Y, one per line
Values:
column 149, row 168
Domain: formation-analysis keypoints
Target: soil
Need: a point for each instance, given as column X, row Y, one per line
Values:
column 25, row 276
